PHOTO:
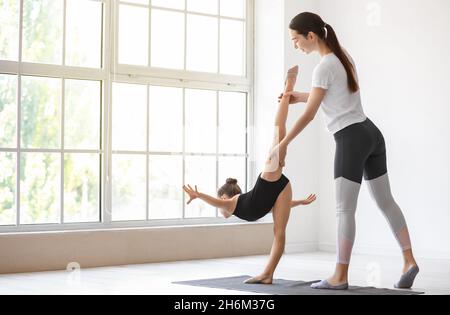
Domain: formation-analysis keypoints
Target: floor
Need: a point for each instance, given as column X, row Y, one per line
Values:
column 366, row 270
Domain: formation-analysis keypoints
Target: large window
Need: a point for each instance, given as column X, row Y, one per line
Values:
column 108, row 107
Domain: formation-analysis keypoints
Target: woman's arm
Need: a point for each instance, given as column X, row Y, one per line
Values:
column 312, row 106
column 315, row 99
column 295, row 97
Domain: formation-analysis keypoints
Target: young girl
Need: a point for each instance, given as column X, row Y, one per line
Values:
column 272, row 192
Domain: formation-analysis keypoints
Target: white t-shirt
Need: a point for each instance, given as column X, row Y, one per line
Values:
column 341, row 108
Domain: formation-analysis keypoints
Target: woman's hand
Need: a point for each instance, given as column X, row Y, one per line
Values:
column 308, row 200
column 294, row 97
column 193, row 194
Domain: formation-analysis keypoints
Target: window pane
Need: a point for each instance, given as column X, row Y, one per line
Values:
column 43, row 31
column 203, row 6
column 9, row 29
column 232, row 167
column 40, row 188
column 232, row 122
column 166, row 119
column 128, row 188
column 167, row 39
column 8, row 188
column 232, row 8
column 165, row 187
column 82, row 115
column 133, row 35
column 201, row 171
column 201, row 121
column 41, row 103
column 144, row 2
column 81, row 188
column 129, row 117
column 202, row 42
column 232, row 47
column 173, row 4
column 84, row 33
column 8, row 111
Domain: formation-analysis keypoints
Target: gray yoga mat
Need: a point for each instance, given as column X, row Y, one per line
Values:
column 287, row 287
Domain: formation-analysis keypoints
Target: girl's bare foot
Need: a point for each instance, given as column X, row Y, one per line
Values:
column 261, row 279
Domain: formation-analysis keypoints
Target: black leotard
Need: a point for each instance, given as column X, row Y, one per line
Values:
column 260, row 200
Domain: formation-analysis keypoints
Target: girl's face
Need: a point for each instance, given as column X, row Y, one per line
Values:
column 305, row 44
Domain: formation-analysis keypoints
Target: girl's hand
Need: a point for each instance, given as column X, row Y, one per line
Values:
column 308, row 200
column 294, row 97
column 193, row 194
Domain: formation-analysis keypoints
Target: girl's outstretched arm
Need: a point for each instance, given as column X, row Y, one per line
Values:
column 212, row 201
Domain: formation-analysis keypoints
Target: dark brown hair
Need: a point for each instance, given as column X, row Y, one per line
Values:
column 306, row 22
column 231, row 188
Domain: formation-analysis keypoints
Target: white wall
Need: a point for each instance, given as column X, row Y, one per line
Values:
column 401, row 51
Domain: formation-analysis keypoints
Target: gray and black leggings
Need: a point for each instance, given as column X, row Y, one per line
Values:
column 361, row 151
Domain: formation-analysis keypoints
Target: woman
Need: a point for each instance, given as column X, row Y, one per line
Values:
column 272, row 192
column 360, row 146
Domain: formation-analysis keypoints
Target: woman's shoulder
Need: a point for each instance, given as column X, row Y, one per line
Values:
column 323, row 70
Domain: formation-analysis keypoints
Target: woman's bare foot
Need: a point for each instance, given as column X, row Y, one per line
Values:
column 261, row 279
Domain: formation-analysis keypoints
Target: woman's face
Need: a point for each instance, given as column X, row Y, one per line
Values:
column 305, row 44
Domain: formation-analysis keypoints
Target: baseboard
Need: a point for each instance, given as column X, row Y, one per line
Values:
column 368, row 249
column 292, row 248
column 327, row 247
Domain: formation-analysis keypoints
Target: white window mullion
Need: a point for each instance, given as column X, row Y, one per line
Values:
column 249, row 39
column 217, row 145
column 147, row 167
column 19, row 114
column 108, row 52
column 20, row 30
column 250, row 66
column 64, row 33
column 63, row 92
column 115, row 25
column 184, row 152
column 150, row 35
column 107, row 155
column 218, row 40
column 18, row 153
column 185, row 35
column 109, row 37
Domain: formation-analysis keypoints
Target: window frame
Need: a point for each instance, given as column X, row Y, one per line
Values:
column 109, row 73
